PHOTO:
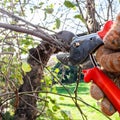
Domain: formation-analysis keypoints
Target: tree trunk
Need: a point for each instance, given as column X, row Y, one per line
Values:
column 38, row 58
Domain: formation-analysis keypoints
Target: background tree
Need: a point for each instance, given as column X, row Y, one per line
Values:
column 32, row 26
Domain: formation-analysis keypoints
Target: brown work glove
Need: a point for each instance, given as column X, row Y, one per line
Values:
column 109, row 62
column 105, row 105
column 108, row 57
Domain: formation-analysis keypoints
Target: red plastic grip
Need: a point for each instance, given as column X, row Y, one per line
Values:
column 105, row 29
column 105, row 83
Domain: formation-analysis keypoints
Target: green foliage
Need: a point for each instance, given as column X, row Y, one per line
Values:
column 49, row 10
column 57, row 23
column 26, row 67
column 7, row 116
column 66, row 115
column 67, row 109
column 79, row 17
column 69, row 4
column 11, row 68
column 66, row 74
column 41, row 3
column 54, row 111
column 26, row 43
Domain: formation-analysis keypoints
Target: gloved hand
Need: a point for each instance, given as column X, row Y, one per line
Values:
column 109, row 60
column 108, row 57
column 105, row 105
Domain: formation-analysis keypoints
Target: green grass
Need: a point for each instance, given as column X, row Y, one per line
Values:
column 66, row 104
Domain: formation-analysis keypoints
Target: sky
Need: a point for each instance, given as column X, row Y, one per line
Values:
column 67, row 23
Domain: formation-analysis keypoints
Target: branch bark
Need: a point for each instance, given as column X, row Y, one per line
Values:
column 92, row 23
column 35, row 32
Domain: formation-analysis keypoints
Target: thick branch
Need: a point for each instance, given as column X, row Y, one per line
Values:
column 23, row 30
column 35, row 33
column 92, row 23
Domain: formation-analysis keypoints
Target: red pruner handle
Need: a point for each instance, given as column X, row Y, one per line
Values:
column 105, row 84
column 87, row 75
column 105, row 29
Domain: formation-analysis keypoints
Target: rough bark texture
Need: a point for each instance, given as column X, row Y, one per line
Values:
column 38, row 59
column 92, row 23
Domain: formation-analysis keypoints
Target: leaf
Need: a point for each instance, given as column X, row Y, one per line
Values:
column 51, row 115
column 57, row 23
column 26, row 42
column 31, row 9
column 61, row 98
column 69, row 4
column 79, row 17
column 55, row 107
column 11, row 49
column 41, row 3
column 48, row 80
column 45, row 16
column 26, row 67
column 20, row 81
column 57, row 70
column 54, row 90
column 49, row 10
column 66, row 115
column 53, row 101
column 19, row 77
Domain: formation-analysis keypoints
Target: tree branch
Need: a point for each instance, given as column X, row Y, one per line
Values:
column 16, row 17
column 23, row 30
column 46, row 37
column 19, row 18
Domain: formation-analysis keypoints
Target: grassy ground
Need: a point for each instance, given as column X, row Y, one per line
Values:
column 67, row 105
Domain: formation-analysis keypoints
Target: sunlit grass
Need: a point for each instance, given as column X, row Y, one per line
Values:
column 67, row 104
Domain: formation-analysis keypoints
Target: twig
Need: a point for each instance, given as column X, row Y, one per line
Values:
column 81, row 13
column 30, row 92
column 16, row 17
column 19, row 18
column 77, row 81
column 30, row 105
column 4, row 53
column 75, row 92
